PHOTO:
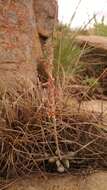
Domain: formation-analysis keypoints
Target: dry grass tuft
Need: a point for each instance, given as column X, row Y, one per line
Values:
column 27, row 135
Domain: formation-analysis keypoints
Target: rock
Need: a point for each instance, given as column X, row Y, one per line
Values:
column 95, row 49
column 19, row 41
column 95, row 57
column 58, row 163
column 51, row 160
column 66, row 163
column 98, row 42
column 22, row 23
column 61, row 169
column 46, row 16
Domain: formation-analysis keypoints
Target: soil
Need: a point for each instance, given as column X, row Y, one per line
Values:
column 96, row 181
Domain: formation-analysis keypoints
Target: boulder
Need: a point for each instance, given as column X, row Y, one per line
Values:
column 46, row 13
column 95, row 49
column 19, row 42
column 97, row 42
column 22, row 23
column 94, row 56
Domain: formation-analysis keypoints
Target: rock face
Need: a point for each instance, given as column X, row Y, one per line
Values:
column 98, row 42
column 46, row 16
column 17, row 40
column 96, row 56
column 22, row 23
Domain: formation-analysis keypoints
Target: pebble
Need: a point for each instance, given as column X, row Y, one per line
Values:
column 66, row 163
column 51, row 160
column 61, row 169
column 58, row 163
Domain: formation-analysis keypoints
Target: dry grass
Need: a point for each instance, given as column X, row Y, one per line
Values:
column 28, row 136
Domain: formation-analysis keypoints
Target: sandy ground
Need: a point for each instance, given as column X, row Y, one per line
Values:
column 96, row 106
column 96, row 181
